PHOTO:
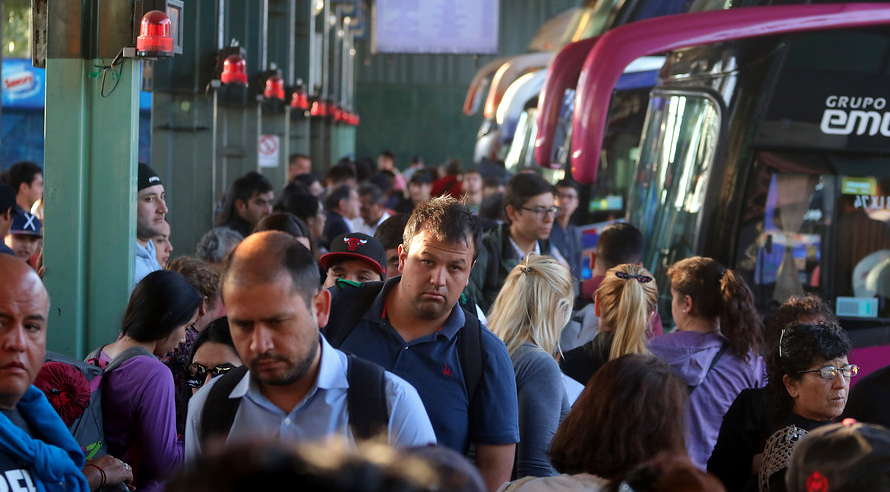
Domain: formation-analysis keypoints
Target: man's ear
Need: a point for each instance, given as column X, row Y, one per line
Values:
column 511, row 213
column 322, row 304
column 240, row 206
column 403, row 255
column 592, row 260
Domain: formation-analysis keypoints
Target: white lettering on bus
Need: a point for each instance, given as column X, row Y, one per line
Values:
column 838, row 122
column 855, row 102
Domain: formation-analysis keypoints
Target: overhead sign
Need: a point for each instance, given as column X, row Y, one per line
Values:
column 436, row 26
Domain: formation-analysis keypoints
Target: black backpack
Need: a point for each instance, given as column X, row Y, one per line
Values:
column 365, row 401
column 355, row 299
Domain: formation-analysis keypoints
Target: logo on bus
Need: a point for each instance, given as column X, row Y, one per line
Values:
column 855, row 115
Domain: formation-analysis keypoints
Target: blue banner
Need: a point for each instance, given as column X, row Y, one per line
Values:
column 23, row 86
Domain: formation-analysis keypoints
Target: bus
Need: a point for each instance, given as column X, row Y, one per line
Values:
column 766, row 147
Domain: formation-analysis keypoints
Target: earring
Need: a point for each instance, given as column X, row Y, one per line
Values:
column 684, row 311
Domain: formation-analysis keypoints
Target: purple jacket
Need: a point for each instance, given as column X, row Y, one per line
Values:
column 140, row 419
column 690, row 354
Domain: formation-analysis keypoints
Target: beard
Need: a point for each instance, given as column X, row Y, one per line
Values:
column 298, row 368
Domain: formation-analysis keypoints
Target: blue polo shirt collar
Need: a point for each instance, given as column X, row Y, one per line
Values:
column 449, row 329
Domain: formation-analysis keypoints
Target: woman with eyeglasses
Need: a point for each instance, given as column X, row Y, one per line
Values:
column 809, row 378
column 138, row 407
column 528, row 315
column 714, row 350
column 625, row 303
column 213, row 354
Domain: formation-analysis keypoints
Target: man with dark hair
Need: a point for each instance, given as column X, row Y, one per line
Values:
column 251, row 199
column 372, row 209
column 390, row 235
column 419, row 191
column 7, row 211
column 355, row 257
column 342, row 205
column 386, row 161
column 294, row 385
column 342, row 173
column 36, row 452
column 472, row 188
column 298, row 164
column 564, row 235
column 414, row 326
column 528, row 205
column 618, row 244
column 26, row 178
column 151, row 213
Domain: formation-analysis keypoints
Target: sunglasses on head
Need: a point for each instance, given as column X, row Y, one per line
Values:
column 198, row 373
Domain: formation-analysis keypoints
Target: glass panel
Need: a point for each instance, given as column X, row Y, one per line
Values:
column 818, row 224
column 672, row 177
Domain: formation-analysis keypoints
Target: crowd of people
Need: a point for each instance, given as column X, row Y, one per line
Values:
column 426, row 329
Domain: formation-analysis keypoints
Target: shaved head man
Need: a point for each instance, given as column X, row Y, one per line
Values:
column 26, row 414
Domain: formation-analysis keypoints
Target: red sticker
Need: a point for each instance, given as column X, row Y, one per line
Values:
column 817, row 483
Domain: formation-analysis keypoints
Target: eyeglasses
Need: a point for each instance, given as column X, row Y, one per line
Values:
column 539, row 211
column 198, row 373
column 831, row 372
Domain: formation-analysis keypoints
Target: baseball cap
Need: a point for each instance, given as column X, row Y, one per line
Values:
column 147, row 177
column 25, row 223
column 356, row 246
column 841, row 457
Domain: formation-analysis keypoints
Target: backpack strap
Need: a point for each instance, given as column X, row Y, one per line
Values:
column 723, row 349
column 469, row 352
column 353, row 301
column 125, row 356
column 219, row 410
column 366, row 398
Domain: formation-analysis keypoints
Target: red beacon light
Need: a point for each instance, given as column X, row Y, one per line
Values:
column 319, row 108
column 300, row 100
column 155, row 38
column 274, row 88
column 234, row 71
column 338, row 114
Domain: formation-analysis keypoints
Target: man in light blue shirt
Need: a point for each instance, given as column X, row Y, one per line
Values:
column 151, row 211
column 296, row 386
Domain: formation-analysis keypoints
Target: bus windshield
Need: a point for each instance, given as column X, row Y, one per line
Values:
column 818, row 223
column 678, row 149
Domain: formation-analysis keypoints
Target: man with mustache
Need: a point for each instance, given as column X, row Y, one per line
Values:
column 414, row 326
column 295, row 386
column 36, row 449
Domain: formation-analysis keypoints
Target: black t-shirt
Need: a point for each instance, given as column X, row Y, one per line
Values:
column 582, row 363
column 870, row 399
column 15, row 473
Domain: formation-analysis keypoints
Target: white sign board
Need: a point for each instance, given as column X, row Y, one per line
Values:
column 268, row 150
column 436, row 26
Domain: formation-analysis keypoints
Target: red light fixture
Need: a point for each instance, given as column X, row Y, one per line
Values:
column 338, row 114
column 299, row 100
column 274, row 88
column 319, row 108
column 155, row 38
column 235, row 71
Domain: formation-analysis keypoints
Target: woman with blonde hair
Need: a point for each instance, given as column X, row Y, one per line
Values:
column 625, row 303
column 533, row 306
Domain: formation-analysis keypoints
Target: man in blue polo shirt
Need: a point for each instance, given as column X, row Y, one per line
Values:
column 414, row 328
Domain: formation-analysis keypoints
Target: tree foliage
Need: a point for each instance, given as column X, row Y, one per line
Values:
column 15, row 29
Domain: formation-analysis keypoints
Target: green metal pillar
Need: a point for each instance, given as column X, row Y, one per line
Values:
column 90, row 172
column 277, row 124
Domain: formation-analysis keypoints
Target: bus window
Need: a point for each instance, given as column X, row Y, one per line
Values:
column 672, row 175
column 816, row 223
